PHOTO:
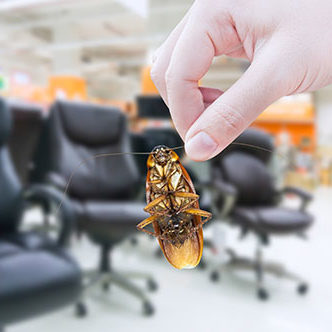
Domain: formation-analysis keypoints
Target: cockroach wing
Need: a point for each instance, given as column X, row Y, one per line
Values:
column 188, row 255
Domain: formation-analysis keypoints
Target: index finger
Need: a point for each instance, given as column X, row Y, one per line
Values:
column 191, row 59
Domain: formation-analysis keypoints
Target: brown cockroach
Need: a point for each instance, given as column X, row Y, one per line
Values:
column 173, row 205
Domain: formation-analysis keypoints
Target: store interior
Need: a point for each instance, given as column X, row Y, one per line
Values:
column 79, row 115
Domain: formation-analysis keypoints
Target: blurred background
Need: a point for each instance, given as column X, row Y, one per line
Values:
column 74, row 78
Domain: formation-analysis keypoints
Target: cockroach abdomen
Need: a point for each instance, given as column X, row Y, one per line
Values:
column 186, row 256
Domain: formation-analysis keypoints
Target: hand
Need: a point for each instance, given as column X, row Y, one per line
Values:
column 289, row 46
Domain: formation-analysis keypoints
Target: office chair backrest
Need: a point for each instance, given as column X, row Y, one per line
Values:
column 246, row 168
column 262, row 146
column 75, row 132
column 152, row 107
column 11, row 201
column 151, row 137
column 27, row 124
column 163, row 136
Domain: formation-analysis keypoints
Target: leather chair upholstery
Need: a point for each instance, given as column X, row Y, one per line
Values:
column 27, row 124
column 102, row 189
column 256, row 208
column 251, row 201
column 150, row 138
column 37, row 276
column 36, row 273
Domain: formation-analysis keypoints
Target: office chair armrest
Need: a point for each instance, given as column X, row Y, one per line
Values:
column 220, row 188
column 226, row 189
column 56, row 180
column 229, row 194
column 46, row 195
column 305, row 196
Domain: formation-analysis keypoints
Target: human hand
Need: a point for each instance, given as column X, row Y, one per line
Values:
column 289, row 46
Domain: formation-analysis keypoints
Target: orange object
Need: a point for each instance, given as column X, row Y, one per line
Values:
column 297, row 119
column 69, row 87
column 148, row 87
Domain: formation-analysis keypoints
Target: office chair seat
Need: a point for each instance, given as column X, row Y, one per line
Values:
column 30, row 241
column 103, row 190
column 7, row 249
column 95, row 218
column 252, row 199
column 272, row 219
column 35, row 277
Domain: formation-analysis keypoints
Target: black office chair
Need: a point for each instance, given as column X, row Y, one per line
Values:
column 102, row 190
column 150, row 138
column 36, row 274
column 250, row 200
column 27, row 124
column 153, row 107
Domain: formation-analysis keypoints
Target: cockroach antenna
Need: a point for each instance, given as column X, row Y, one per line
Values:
column 104, row 155
column 97, row 156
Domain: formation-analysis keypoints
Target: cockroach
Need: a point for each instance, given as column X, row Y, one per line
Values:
column 172, row 203
column 174, row 209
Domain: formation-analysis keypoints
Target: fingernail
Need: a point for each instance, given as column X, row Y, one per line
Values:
column 201, row 146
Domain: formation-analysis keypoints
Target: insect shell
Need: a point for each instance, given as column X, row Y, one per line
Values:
column 173, row 205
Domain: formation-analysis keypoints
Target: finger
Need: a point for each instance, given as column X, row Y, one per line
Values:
column 161, row 57
column 191, row 59
column 231, row 113
column 210, row 94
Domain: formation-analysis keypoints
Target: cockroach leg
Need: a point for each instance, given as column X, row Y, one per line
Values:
column 186, row 195
column 191, row 196
column 154, row 203
column 155, row 181
column 199, row 212
column 145, row 223
column 202, row 222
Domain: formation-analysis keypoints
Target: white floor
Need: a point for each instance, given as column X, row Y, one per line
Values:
column 188, row 301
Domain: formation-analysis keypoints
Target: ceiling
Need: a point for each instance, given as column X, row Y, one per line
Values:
column 105, row 41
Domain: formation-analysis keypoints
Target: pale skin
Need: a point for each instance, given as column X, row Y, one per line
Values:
column 289, row 46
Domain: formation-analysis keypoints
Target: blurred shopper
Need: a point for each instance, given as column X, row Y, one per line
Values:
column 289, row 45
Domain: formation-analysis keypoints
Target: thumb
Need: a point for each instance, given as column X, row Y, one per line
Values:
column 232, row 112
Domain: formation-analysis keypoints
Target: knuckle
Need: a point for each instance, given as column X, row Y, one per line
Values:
column 231, row 118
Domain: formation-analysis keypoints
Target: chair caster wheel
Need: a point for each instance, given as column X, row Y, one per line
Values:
column 148, row 309
column 262, row 294
column 81, row 310
column 303, row 288
column 152, row 285
column 214, row 276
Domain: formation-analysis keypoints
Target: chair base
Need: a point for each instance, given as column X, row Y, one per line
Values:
column 106, row 277
column 257, row 265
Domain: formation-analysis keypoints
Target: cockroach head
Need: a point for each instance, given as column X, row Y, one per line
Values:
column 162, row 154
